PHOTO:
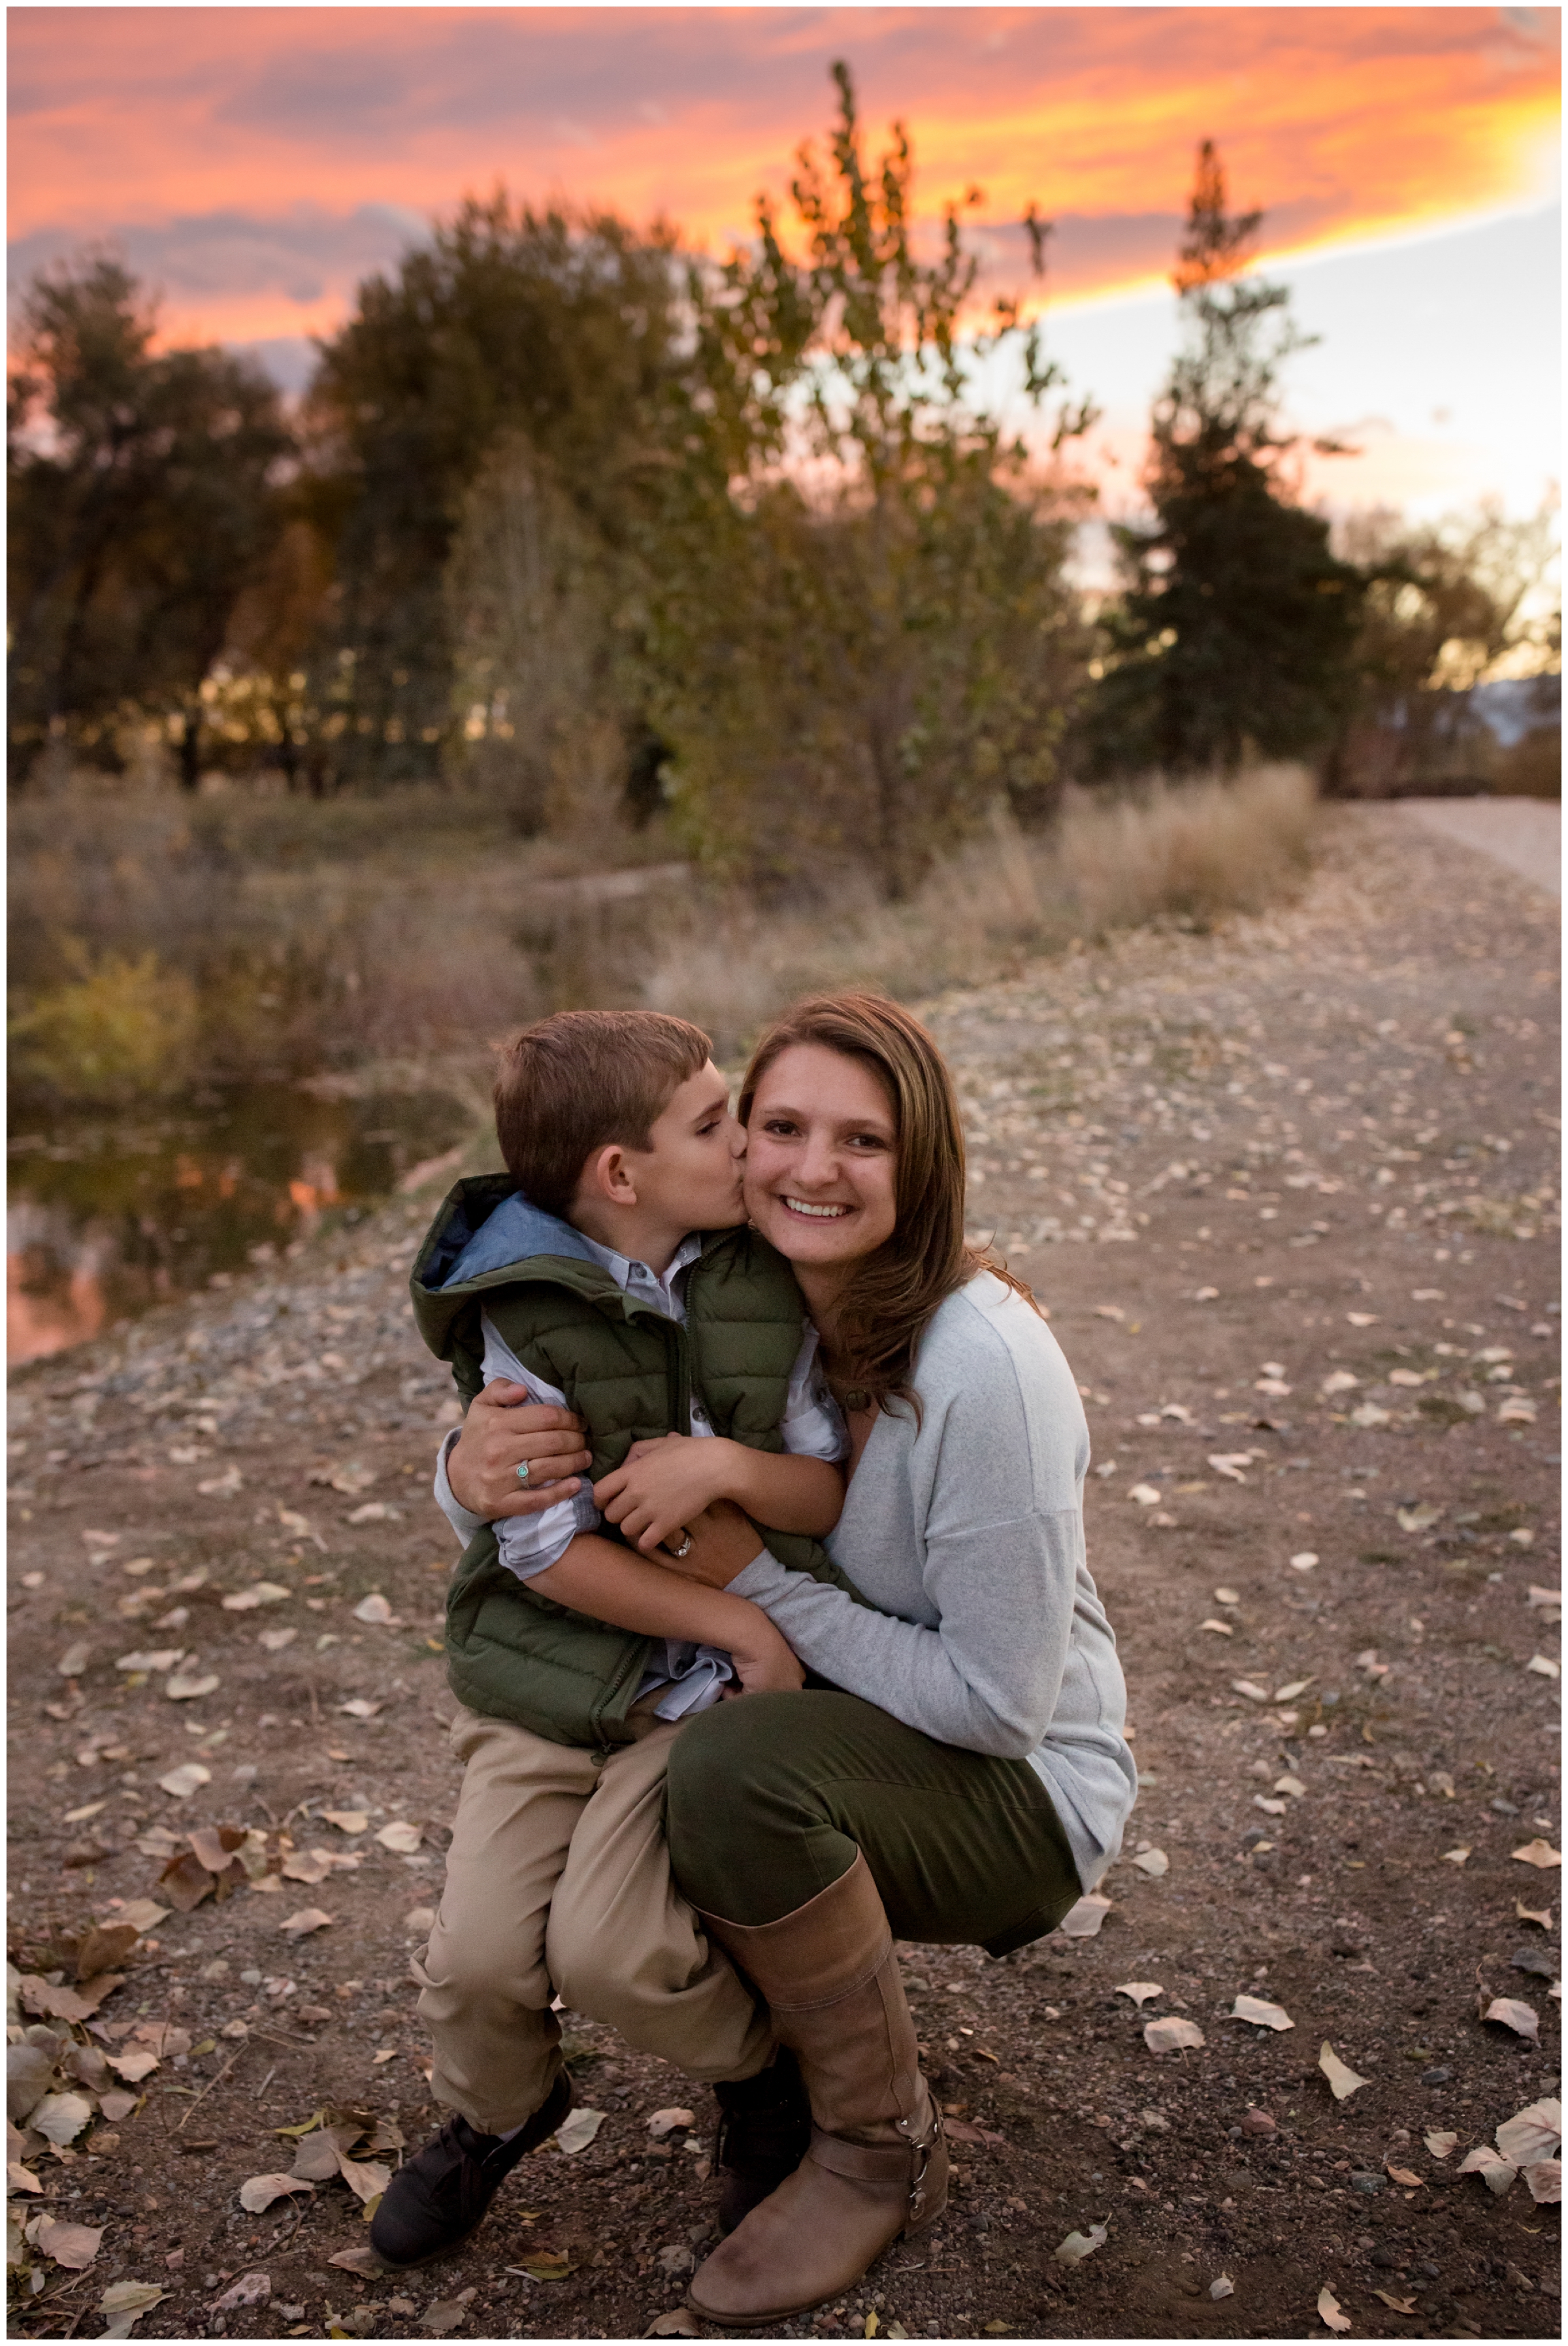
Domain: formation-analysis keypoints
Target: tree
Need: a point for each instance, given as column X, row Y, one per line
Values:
column 559, row 329
column 1449, row 605
column 143, row 501
column 1236, row 631
column 855, row 627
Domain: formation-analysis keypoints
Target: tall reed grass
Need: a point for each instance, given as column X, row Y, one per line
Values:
column 158, row 943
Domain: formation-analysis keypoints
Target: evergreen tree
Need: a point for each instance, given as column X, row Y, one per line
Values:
column 1236, row 633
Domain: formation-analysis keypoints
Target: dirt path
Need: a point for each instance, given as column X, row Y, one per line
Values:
column 1290, row 1194
column 1524, row 833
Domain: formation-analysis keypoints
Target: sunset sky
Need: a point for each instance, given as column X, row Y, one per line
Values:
column 256, row 163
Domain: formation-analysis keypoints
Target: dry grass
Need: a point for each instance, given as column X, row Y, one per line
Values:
column 1191, row 854
column 280, row 937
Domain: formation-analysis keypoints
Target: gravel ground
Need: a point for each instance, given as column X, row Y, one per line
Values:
column 1289, row 1192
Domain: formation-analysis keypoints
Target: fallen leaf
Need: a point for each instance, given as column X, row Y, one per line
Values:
column 1289, row 1693
column 376, row 1612
column 71, row 2246
column 1152, row 1861
column 1328, row 2310
column 576, row 2133
column 1221, row 1628
column 360, row 1709
column 1339, row 1381
column 1305, row 1561
column 367, row 2178
column 1253, row 2008
column 260, row 1592
column 1082, row 1920
column 1542, row 1667
column 400, row 1836
column 447, row 2313
column 1454, row 1856
column 1172, row 2035
column 1292, row 1785
column 1079, row 2245
column 1403, row 2175
column 187, row 1778
column 350, row 1477
column 419, row 1918
column 251, row 2288
column 125, row 2301
column 259, row 2191
column 22, row 2178
column 1532, row 2133
column 1270, row 1808
column 75, row 1659
column 1223, row 2287
column 60, row 2118
column 1396, row 2304
column 1343, row 2081
column 1522, row 2018
column 133, row 2066
column 116, row 2105
column 1542, row 1917
column 374, row 1510
column 1230, row 1465
column 1537, row 1596
column 1495, row 2171
column 1145, row 1494
column 1442, row 2145
column 678, row 2323
column 183, row 1688
column 307, row 1919
column 361, row 2259
column 1139, row 1991
column 664, row 2122
column 104, row 1945
column 1544, row 2177
column 554, row 2264
column 166, row 1657
column 307, row 1866
column 1422, row 1516
column 274, row 1640
column 222, row 1487
column 1253, row 1693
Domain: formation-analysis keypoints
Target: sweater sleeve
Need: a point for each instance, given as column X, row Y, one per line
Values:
column 1004, row 1541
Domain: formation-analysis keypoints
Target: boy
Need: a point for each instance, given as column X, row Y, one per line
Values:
column 604, row 1271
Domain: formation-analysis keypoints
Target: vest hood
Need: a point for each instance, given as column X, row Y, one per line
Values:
column 486, row 1234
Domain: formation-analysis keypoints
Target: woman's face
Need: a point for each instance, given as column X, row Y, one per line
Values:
column 821, row 1157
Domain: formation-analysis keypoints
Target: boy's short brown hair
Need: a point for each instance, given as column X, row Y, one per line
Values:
column 584, row 1080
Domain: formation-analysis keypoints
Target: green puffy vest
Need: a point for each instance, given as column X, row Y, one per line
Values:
column 630, row 1374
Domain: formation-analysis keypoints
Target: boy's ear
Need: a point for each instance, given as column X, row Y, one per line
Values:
column 608, row 1178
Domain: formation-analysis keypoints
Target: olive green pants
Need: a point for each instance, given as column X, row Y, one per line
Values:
column 769, row 1798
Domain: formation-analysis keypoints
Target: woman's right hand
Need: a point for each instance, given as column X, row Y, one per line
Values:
column 503, row 1429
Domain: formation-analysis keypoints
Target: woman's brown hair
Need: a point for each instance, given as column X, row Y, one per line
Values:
column 894, row 1291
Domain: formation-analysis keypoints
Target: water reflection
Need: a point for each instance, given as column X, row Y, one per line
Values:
column 106, row 1217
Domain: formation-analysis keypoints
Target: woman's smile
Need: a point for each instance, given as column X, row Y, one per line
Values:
column 819, row 1213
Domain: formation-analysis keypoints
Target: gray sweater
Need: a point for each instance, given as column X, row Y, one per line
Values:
column 967, row 1534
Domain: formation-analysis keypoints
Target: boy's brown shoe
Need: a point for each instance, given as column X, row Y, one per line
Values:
column 439, row 2196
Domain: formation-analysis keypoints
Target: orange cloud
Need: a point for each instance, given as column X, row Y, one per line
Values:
column 258, row 162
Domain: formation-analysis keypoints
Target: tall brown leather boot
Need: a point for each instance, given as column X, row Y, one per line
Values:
column 877, row 2165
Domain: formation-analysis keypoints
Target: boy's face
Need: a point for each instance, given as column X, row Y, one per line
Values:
column 690, row 1175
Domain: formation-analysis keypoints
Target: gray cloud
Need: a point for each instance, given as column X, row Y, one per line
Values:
column 206, row 255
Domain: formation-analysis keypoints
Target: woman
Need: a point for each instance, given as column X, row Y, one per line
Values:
column 961, row 1776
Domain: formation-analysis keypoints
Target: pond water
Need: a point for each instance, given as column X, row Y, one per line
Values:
column 108, row 1216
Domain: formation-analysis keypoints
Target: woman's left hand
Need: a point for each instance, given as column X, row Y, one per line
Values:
column 723, row 1542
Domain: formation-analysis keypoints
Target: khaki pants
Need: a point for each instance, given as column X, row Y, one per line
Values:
column 558, row 1883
